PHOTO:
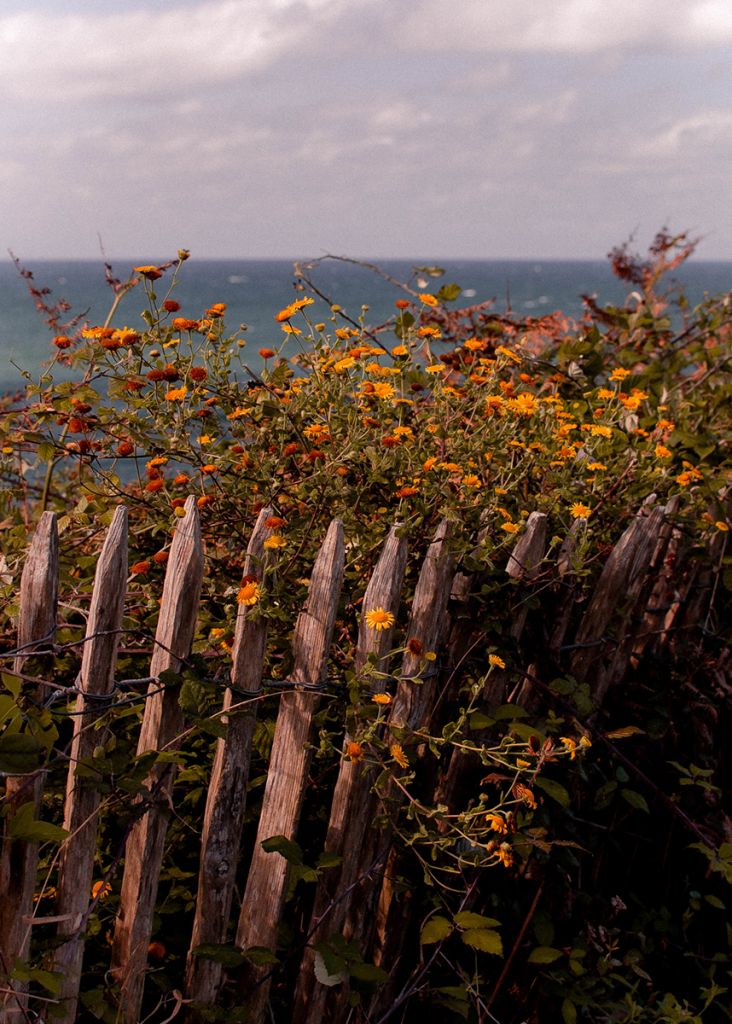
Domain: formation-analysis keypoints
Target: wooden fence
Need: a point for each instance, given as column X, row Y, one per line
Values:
column 647, row 591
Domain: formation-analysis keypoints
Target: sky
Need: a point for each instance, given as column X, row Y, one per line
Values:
column 486, row 129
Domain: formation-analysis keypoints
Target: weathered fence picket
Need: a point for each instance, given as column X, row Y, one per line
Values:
column 360, row 893
column 96, row 682
column 227, row 792
column 352, row 789
column 19, row 857
column 162, row 726
column 287, row 774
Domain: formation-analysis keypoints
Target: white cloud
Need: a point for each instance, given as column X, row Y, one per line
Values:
column 67, row 57
column 567, row 26
column 695, row 135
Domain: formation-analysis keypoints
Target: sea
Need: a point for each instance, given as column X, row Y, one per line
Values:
column 254, row 291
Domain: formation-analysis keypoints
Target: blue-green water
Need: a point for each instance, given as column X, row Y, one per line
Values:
column 255, row 290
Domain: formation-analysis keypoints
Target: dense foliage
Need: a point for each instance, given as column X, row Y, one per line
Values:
column 612, row 906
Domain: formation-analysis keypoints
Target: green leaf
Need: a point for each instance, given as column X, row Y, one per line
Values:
column 220, row 953
column 484, row 939
column 480, row 721
column 329, row 860
column 544, row 955
column 436, row 929
column 23, row 825
column 12, row 683
column 449, row 292
column 714, row 901
column 260, row 956
column 46, row 451
column 330, row 970
column 511, row 711
column 635, row 799
column 50, row 980
column 289, row 849
column 368, row 972
column 554, row 790
column 193, row 698
column 569, row 1012
column 19, row 754
column 467, row 919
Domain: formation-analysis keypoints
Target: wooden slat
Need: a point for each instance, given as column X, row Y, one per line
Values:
column 288, row 767
column 18, row 858
column 364, row 849
column 615, row 595
column 227, row 792
column 96, row 679
column 352, row 789
column 411, row 709
column 427, row 624
column 664, row 596
column 163, row 722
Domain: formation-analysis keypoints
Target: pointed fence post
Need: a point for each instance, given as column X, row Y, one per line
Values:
column 96, row 681
column 616, row 593
column 352, row 789
column 413, row 705
column 19, row 858
column 227, row 793
column 286, row 778
column 163, row 722
column 364, row 849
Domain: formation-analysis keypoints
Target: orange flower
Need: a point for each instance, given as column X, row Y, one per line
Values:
column 125, row 448
column 171, row 306
column 100, row 890
column 161, row 557
column 384, row 699
column 249, row 592
column 289, row 311
column 274, row 542
column 402, row 304
column 150, row 272
column 505, row 855
column 354, row 752
column 524, row 794
column 209, row 468
column 428, row 300
column 397, row 752
column 274, row 522
column 579, row 511
column 524, row 404
column 267, row 353
column 182, row 323
column 61, row 341
column 140, row 568
column 198, row 374
column 176, row 395
column 619, row 374
column 379, row 619
column 155, row 485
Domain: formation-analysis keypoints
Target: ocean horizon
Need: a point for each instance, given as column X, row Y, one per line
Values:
column 254, row 290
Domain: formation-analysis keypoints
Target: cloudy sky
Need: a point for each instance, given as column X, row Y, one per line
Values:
column 430, row 128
